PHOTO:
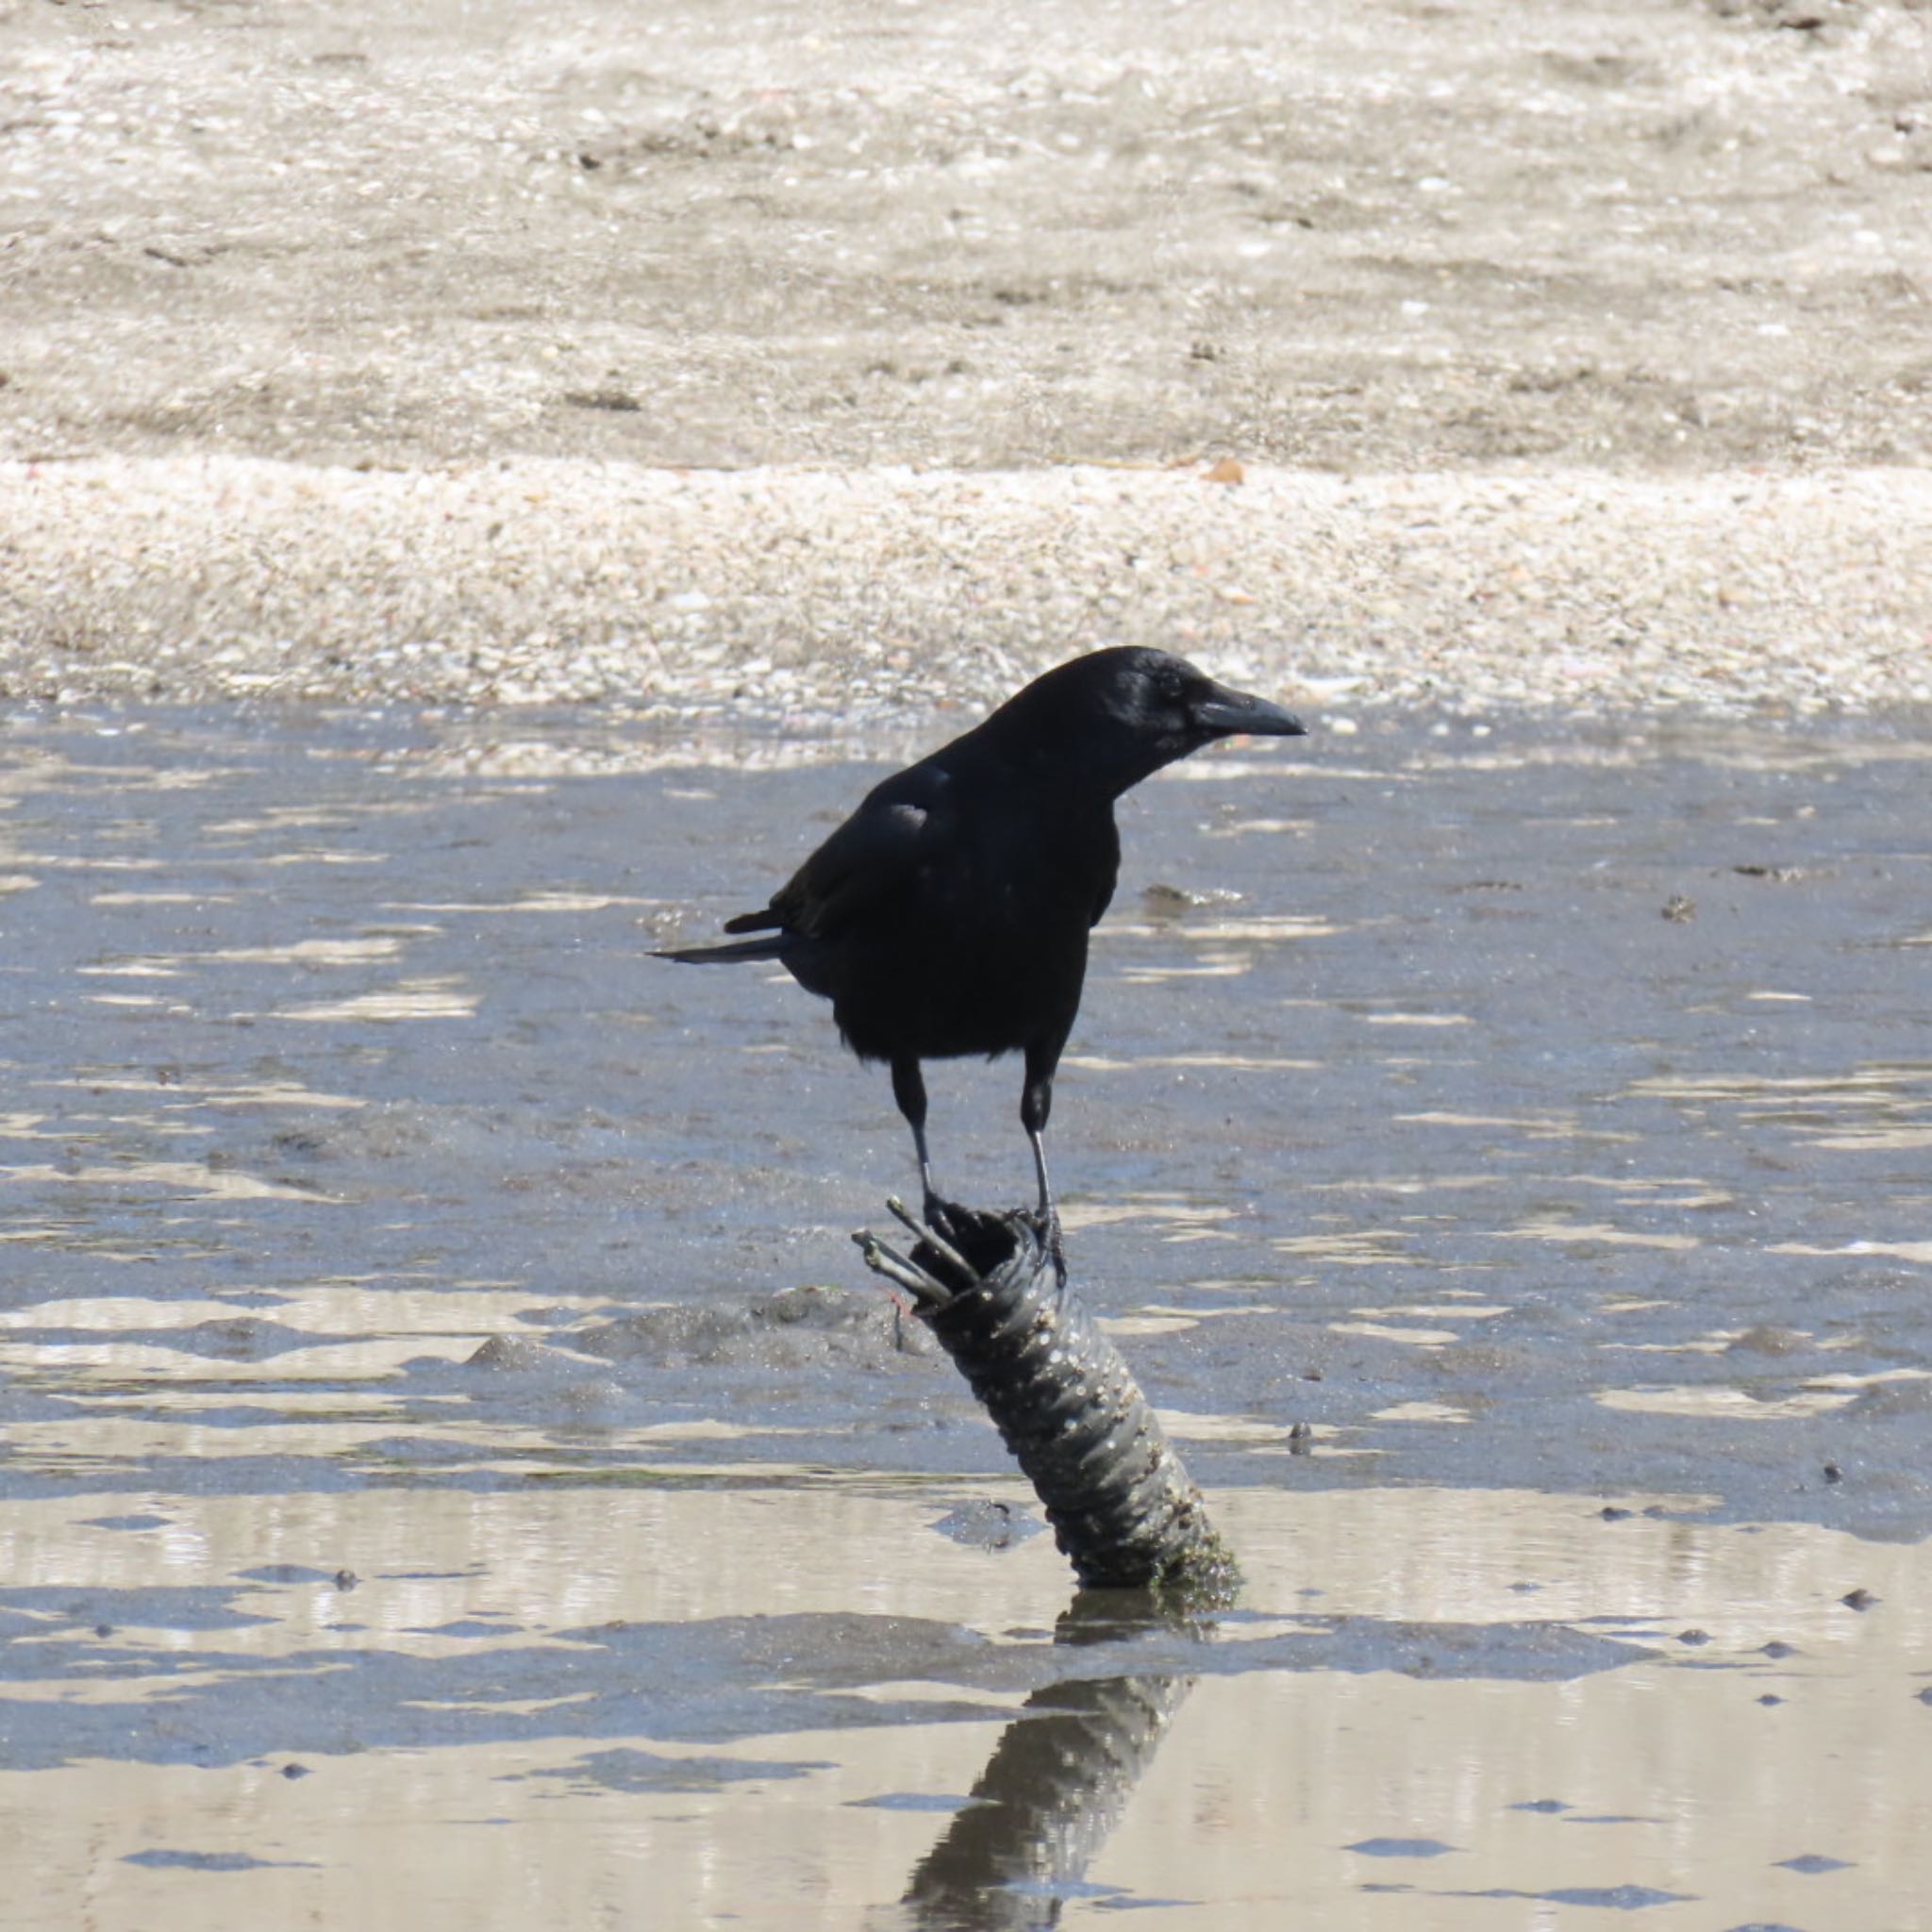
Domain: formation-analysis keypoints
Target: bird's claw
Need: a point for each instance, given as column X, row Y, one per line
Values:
column 933, row 1229
column 1046, row 1228
column 952, row 1225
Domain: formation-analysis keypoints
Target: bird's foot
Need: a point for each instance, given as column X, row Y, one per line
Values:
column 937, row 1213
column 1046, row 1226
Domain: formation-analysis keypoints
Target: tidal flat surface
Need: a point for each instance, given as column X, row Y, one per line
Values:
column 456, row 1465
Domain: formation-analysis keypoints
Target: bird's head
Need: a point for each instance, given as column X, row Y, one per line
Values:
column 1120, row 715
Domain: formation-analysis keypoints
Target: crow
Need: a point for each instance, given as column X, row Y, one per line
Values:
column 949, row 914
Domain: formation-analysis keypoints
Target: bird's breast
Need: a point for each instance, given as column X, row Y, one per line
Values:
column 989, row 983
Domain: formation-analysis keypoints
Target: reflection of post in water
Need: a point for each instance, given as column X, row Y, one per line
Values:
column 1128, row 1518
column 1122, row 1508
column 1053, row 1788
column 1126, row 1515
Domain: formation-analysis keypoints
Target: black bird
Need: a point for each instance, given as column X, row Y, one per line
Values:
column 949, row 914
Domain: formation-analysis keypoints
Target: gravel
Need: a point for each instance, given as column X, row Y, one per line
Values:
column 806, row 596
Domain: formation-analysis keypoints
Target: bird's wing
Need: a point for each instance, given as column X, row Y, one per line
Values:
column 872, row 854
column 1111, row 858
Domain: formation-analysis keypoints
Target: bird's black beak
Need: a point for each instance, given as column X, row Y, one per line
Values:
column 1223, row 713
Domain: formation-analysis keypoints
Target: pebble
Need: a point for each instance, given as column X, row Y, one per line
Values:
column 829, row 598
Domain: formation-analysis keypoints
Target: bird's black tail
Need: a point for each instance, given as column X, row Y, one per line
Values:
column 770, row 947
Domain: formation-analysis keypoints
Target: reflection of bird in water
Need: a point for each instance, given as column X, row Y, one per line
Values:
column 949, row 914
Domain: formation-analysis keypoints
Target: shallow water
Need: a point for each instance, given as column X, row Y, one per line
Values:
column 748, row 1692
column 434, row 1360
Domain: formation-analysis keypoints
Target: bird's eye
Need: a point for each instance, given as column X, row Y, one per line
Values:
column 1172, row 686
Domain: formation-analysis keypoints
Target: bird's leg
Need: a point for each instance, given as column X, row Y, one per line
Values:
column 924, row 1167
column 1035, row 1103
column 1049, row 1215
column 909, row 1091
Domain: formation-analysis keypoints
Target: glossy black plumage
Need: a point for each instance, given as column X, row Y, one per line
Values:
column 949, row 914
